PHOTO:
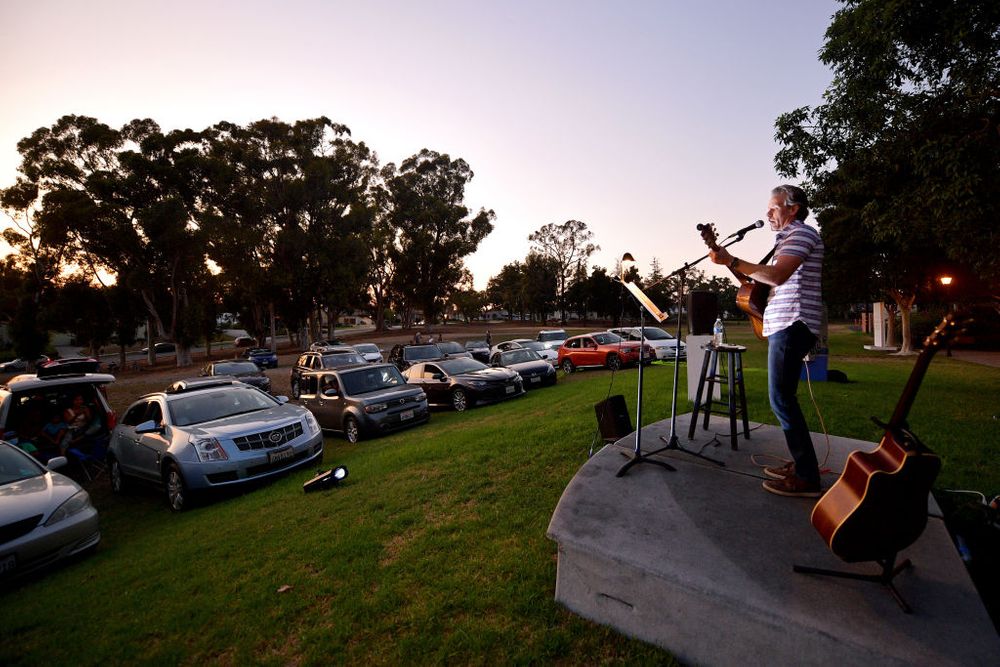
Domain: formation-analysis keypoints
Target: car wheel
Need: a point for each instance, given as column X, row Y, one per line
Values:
column 119, row 483
column 351, row 430
column 296, row 392
column 614, row 362
column 459, row 400
column 175, row 487
column 567, row 366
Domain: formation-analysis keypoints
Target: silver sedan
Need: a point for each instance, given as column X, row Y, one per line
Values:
column 44, row 516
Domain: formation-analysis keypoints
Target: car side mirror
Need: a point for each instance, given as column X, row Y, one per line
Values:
column 281, row 399
column 56, row 462
column 148, row 426
column 438, row 376
column 330, row 392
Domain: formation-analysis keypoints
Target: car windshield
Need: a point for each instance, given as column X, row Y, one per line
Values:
column 655, row 333
column 475, row 345
column 450, row 347
column 367, row 380
column 533, row 345
column 417, row 352
column 552, row 335
column 367, row 348
column 15, row 466
column 518, row 356
column 236, row 368
column 342, row 359
column 607, row 338
column 207, row 406
column 458, row 366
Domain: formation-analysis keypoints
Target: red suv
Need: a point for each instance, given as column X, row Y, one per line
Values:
column 600, row 348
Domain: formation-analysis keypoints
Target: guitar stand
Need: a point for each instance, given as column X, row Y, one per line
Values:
column 889, row 572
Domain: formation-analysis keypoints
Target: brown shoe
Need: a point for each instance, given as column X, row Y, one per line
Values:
column 780, row 472
column 793, row 486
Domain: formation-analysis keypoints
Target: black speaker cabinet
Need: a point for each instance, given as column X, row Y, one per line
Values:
column 612, row 418
column 703, row 309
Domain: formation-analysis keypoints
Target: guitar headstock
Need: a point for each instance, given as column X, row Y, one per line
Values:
column 953, row 325
column 708, row 235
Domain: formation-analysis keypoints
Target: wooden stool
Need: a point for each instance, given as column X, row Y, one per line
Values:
column 733, row 376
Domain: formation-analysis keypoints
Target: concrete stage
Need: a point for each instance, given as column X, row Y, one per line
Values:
column 699, row 562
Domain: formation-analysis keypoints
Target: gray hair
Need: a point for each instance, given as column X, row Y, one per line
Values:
column 793, row 195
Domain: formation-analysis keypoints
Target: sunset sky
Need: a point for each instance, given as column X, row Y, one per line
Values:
column 641, row 119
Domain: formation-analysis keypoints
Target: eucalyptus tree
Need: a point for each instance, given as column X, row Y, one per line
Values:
column 903, row 151
column 435, row 228
column 567, row 244
column 123, row 201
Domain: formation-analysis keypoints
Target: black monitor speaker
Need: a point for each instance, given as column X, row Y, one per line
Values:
column 612, row 418
column 703, row 309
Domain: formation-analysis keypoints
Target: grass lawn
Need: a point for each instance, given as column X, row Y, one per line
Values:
column 434, row 549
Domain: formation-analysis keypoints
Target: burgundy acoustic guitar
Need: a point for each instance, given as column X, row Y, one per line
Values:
column 879, row 505
column 752, row 295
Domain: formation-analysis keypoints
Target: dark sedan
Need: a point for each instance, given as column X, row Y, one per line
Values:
column 461, row 383
column 450, row 348
column 245, row 371
column 363, row 400
column 534, row 371
column 479, row 350
column 262, row 356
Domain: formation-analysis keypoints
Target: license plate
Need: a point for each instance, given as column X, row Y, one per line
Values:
column 510, row 390
column 536, row 379
column 280, row 454
column 8, row 563
column 406, row 414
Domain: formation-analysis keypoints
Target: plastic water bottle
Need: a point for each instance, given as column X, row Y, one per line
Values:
column 718, row 332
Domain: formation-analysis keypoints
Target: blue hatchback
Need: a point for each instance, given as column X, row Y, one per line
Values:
column 263, row 357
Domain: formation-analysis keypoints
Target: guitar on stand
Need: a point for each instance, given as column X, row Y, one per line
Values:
column 878, row 507
column 752, row 295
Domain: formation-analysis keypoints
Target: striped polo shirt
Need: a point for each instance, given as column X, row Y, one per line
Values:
column 799, row 297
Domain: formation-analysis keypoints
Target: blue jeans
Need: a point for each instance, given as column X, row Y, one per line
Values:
column 785, row 351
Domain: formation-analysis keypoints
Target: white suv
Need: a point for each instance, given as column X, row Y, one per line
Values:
column 552, row 338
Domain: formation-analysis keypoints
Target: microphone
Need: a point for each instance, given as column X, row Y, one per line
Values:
column 756, row 225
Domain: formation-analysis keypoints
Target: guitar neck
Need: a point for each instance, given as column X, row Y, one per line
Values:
column 944, row 332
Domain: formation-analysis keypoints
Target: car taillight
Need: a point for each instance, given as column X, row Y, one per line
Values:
column 112, row 420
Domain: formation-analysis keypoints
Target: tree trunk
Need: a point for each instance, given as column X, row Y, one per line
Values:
column 183, row 356
column 273, row 327
column 904, row 302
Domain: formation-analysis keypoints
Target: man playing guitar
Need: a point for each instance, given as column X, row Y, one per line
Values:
column 791, row 325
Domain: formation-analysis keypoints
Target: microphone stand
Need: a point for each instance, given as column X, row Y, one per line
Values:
column 673, row 443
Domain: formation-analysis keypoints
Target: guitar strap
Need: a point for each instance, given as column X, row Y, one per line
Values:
column 768, row 256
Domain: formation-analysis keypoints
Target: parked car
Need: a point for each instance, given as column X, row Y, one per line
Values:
column 600, row 349
column 462, row 383
column 534, row 371
column 404, row 356
column 244, row 341
column 210, row 433
column 20, row 365
column 370, row 351
column 45, row 516
column 547, row 353
column 161, row 348
column 29, row 402
column 244, row 371
column 662, row 342
column 450, row 348
column 262, row 356
column 363, row 400
column 552, row 338
column 315, row 361
column 479, row 350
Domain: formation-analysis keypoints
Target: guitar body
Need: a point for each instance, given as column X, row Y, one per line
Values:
column 879, row 505
column 752, row 300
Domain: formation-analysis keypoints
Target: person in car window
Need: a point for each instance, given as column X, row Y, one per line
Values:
column 77, row 417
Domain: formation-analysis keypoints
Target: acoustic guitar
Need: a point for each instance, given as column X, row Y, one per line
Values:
column 879, row 505
column 752, row 295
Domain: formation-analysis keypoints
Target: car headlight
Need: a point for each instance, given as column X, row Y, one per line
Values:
column 312, row 426
column 209, row 449
column 421, row 397
column 479, row 384
column 376, row 407
column 78, row 502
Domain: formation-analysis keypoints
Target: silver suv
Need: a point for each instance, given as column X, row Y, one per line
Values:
column 209, row 433
column 32, row 405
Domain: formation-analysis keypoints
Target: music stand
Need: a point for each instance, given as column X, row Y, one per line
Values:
column 645, row 303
